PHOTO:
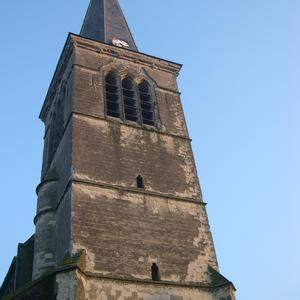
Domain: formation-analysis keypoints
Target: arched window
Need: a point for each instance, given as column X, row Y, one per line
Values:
column 136, row 107
column 155, row 272
column 147, row 105
column 112, row 95
column 129, row 97
column 140, row 182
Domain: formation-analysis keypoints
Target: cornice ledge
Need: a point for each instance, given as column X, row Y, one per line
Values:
column 127, row 54
column 200, row 286
column 79, row 180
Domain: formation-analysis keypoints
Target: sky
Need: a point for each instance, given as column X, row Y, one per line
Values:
column 240, row 92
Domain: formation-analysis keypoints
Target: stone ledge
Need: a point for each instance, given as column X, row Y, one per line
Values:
column 137, row 191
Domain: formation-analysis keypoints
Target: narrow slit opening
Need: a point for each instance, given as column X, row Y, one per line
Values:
column 140, row 182
column 155, row 272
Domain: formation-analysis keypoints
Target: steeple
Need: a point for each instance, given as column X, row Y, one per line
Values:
column 105, row 22
column 120, row 212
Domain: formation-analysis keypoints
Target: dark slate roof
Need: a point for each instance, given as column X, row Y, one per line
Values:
column 9, row 283
column 41, row 289
column 20, row 271
column 105, row 22
column 25, row 262
column 217, row 279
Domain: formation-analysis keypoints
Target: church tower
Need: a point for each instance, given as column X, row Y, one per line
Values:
column 120, row 213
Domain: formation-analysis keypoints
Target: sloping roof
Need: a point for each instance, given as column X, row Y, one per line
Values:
column 20, row 271
column 25, row 262
column 217, row 279
column 9, row 283
column 105, row 22
column 41, row 289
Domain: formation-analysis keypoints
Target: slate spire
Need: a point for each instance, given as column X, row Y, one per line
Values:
column 105, row 22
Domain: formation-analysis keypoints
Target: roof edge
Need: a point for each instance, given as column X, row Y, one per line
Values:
column 130, row 50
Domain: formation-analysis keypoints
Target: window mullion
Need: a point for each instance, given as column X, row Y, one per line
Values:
column 139, row 106
column 121, row 99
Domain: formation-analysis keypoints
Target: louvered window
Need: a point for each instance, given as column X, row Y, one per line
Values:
column 112, row 95
column 147, row 106
column 129, row 97
column 128, row 101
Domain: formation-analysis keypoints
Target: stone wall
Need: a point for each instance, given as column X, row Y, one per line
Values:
column 124, row 232
column 115, row 154
column 91, row 65
column 100, row 289
column 125, row 229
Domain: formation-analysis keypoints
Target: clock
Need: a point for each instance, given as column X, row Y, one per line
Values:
column 120, row 43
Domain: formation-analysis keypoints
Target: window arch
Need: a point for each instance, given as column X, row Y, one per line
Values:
column 147, row 105
column 140, row 182
column 112, row 95
column 155, row 272
column 130, row 99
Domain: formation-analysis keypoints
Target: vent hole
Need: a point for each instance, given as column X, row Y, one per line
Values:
column 140, row 182
column 155, row 272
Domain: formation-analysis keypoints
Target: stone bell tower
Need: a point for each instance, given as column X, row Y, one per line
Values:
column 120, row 213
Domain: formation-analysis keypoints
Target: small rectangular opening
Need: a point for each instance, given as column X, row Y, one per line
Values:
column 155, row 272
column 140, row 182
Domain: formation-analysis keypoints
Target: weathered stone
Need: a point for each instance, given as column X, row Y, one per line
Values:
column 120, row 213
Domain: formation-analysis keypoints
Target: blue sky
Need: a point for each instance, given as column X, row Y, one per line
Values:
column 240, row 91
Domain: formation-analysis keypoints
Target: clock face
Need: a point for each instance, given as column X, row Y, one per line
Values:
column 120, row 43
